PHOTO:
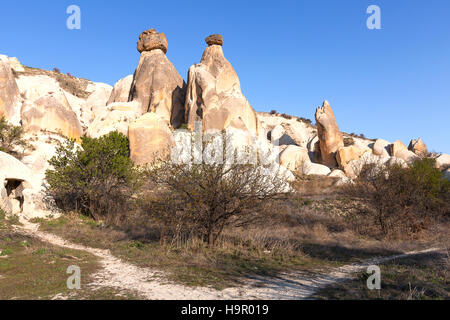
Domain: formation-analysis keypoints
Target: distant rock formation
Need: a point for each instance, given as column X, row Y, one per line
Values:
column 399, row 150
column 157, row 85
column 9, row 92
column 330, row 138
column 214, row 94
column 418, row 147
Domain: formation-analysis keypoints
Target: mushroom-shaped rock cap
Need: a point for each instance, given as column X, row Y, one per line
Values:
column 214, row 39
column 150, row 40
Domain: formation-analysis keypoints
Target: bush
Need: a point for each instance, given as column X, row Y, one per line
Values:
column 286, row 116
column 11, row 139
column 305, row 120
column 273, row 112
column 97, row 179
column 402, row 201
column 200, row 200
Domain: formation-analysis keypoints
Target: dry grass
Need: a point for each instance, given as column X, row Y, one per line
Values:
column 73, row 85
column 32, row 269
column 419, row 277
column 304, row 233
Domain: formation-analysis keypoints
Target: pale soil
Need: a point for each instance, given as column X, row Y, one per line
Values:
column 151, row 284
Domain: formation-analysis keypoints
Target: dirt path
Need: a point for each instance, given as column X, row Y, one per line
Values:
column 150, row 284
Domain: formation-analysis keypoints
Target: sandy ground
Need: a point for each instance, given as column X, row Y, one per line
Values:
column 150, row 284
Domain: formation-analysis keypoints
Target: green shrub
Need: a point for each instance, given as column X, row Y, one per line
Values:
column 11, row 139
column 402, row 201
column 97, row 179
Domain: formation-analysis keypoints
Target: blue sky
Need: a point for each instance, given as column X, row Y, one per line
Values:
column 392, row 83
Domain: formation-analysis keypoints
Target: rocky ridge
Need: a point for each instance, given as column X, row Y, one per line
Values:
column 151, row 105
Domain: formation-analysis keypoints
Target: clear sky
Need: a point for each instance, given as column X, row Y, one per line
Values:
column 392, row 83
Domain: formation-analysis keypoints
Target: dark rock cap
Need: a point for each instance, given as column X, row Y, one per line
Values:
column 150, row 40
column 214, row 39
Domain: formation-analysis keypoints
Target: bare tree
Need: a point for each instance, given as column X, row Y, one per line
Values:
column 203, row 199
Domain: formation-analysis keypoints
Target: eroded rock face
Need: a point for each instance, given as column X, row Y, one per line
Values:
column 150, row 138
column 117, row 117
column 214, row 94
column 121, row 90
column 9, row 92
column 329, row 135
column 157, row 85
column 50, row 114
column 418, row 147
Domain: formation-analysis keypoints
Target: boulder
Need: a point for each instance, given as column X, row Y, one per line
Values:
column 381, row 148
column 9, row 92
column 329, row 135
column 214, row 95
column 394, row 161
column 353, row 168
column 97, row 100
column 50, row 114
column 294, row 158
column 443, row 161
column 346, row 154
column 343, row 179
column 151, row 40
column 117, row 117
column 214, row 39
column 399, row 150
column 150, row 138
column 315, row 169
column 121, row 90
column 157, row 85
column 418, row 147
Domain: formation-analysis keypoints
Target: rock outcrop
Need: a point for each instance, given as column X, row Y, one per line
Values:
column 418, row 147
column 329, row 135
column 399, row 150
column 381, row 148
column 121, row 90
column 214, row 94
column 150, row 138
column 9, row 91
column 116, row 117
column 157, row 85
column 346, row 154
column 51, row 113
